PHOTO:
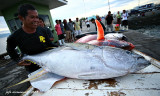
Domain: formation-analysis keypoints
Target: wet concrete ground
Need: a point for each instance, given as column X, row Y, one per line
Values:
column 11, row 74
column 148, row 45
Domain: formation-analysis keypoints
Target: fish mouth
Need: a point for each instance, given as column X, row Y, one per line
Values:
column 30, row 61
column 141, row 64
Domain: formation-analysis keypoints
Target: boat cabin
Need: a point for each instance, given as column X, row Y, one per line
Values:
column 8, row 9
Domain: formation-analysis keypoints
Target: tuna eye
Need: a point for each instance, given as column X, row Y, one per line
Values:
column 128, row 52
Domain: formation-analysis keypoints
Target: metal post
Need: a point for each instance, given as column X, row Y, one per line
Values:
column 109, row 5
column 84, row 8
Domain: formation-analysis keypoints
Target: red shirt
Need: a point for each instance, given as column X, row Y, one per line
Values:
column 58, row 29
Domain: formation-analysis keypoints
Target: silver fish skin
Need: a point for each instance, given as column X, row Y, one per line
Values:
column 85, row 61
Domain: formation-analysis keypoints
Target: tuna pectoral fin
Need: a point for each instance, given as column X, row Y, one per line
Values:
column 100, row 31
column 45, row 82
column 88, row 76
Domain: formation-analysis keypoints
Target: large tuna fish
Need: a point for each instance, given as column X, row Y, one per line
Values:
column 112, row 39
column 92, row 39
column 84, row 61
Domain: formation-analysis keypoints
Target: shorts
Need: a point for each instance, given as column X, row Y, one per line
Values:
column 118, row 20
column 61, row 37
column 68, row 34
column 124, row 22
column 88, row 25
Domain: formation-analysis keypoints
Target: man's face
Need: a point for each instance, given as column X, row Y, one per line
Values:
column 31, row 20
column 41, row 23
column 93, row 21
column 76, row 19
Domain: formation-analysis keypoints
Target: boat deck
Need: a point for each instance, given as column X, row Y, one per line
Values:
column 142, row 83
column 146, row 83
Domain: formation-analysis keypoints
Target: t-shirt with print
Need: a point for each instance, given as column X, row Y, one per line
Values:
column 29, row 44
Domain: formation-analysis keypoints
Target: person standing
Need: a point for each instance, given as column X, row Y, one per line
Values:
column 98, row 18
column 77, row 27
column 30, row 38
column 125, row 20
column 87, row 24
column 59, row 33
column 93, row 21
column 81, row 24
column 67, row 31
column 118, row 18
column 49, row 32
column 62, row 27
column 71, row 25
column 109, row 21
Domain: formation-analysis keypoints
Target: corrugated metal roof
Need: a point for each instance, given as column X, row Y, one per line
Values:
column 51, row 3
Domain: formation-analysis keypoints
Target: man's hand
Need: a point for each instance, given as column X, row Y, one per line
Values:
column 24, row 63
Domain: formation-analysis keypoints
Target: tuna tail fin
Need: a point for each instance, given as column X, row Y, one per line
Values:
column 30, row 78
column 100, row 31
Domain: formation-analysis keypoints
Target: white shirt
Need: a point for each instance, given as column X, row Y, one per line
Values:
column 87, row 22
column 124, row 16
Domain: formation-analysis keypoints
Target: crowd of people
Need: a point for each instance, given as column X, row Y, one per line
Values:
column 122, row 21
column 67, row 31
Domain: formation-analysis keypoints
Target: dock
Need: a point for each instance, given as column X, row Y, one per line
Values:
column 148, row 45
column 145, row 82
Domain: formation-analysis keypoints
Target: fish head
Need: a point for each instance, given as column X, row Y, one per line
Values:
column 141, row 62
column 120, row 59
column 116, row 36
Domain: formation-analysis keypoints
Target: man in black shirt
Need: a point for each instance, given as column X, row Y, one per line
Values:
column 49, row 32
column 93, row 21
column 109, row 21
column 30, row 39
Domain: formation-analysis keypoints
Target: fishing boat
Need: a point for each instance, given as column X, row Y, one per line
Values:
column 8, row 10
